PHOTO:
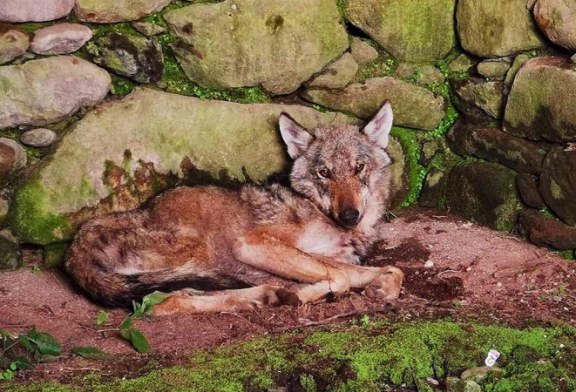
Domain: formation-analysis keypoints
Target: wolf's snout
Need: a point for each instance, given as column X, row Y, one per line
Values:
column 349, row 217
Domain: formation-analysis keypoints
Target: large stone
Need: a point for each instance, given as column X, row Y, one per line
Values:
column 60, row 38
column 409, row 30
column 13, row 42
column 43, row 91
column 484, row 193
column 12, row 157
column 134, row 57
column 557, row 19
column 141, row 144
column 112, row 11
column 541, row 101
column 497, row 146
column 546, row 231
column 496, row 28
column 278, row 44
column 421, row 74
column 32, row 11
column 558, row 183
column 479, row 98
column 414, row 106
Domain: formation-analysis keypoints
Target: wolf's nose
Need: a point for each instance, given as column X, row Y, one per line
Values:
column 349, row 217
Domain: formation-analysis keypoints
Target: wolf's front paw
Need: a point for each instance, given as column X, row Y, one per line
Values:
column 387, row 285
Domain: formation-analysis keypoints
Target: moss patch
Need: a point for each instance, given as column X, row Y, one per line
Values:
column 365, row 357
column 31, row 220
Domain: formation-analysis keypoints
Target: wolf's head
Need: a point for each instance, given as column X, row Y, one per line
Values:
column 342, row 169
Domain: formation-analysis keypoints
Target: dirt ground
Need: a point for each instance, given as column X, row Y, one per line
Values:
column 453, row 268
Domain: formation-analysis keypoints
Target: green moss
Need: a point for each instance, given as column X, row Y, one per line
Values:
column 383, row 65
column 364, row 359
column 31, row 221
column 53, row 255
column 121, row 86
column 416, row 173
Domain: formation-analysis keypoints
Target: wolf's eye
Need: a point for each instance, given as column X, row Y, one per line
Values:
column 359, row 167
column 324, row 172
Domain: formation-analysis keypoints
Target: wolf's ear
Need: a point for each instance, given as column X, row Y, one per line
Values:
column 378, row 129
column 296, row 137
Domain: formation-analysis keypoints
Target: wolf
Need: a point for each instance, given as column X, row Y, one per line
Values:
column 214, row 249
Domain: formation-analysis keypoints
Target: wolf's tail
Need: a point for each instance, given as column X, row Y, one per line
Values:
column 104, row 261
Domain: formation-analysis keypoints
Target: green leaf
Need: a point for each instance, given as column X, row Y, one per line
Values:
column 92, row 353
column 126, row 324
column 45, row 343
column 148, row 303
column 102, row 317
column 26, row 343
column 139, row 341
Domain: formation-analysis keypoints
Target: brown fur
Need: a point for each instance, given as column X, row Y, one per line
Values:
column 219, row 250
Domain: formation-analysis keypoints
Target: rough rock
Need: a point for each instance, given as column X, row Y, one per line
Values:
column 484, row 193
column 30, row 11
column 414, row 107
column 276, row 43
column 10, row 255
column 516, row 65
column 462, row 63
column 479, row 98
column 112, row 11
column 43, row 91
column 497, row 146
column 527, row 185
column 12, row 157
column 496, row 28
column 147, row 28
column 39, row 137
column 134, row 57
column 493, row 68
column 13, row 42
column 541, row 101
column 434, row 189
column 546, row 231
column 558, row 183
column 421, row 74
column 480, row 373
column 557, row 19
column 407, row 29
column 362, row 51
column 337, row 74
column 162, row 137
column 60, row 38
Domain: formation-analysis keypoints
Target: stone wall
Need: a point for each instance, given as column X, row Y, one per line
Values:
column 104, row 104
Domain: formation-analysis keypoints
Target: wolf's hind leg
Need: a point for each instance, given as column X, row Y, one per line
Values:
column 190, row 301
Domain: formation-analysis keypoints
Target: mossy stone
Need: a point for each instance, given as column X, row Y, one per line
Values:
column 496, row 28
column 479, row 95
column 276, row 44
column 134, row 57
column 337, row 74
column 547, row 231
column 414, row 106
column 140, row 145
column 541, row 101
column 558, row 185
column 493, row 68
column 484, row 193
column 10, row 255
column 410, row 30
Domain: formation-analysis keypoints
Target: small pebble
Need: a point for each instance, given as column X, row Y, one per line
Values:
column 428, row 264
column 40, row 137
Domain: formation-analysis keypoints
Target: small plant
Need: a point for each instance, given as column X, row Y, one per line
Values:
column 23, row 351
column 102, row 317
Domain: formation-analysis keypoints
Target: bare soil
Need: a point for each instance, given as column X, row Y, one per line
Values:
column 453, row 268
